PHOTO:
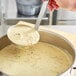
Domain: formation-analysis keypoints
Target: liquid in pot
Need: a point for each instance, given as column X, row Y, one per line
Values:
column 41, row 59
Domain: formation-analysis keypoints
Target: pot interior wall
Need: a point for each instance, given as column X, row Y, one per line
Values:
column 57, row 40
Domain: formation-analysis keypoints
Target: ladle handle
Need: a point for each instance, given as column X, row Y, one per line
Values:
column 41, row 14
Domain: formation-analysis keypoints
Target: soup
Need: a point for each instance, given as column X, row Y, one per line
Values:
column 41, row 59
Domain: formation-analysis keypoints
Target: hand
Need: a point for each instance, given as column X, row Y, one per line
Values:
column 64, row 4
column 67, row 4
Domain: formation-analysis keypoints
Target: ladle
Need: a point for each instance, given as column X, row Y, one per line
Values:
column 21, row 34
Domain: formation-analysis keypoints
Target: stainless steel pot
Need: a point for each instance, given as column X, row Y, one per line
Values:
column 28, row 8
column 49, row 37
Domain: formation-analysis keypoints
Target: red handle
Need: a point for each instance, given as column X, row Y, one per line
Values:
column 52, row 5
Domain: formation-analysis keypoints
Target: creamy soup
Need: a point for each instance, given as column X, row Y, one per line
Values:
column 23, row 35
column 41, row 59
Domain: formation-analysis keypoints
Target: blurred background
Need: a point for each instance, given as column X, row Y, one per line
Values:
column 12, row 11
column 28, row 10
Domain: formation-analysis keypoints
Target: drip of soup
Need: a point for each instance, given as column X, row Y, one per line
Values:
column 41, row 59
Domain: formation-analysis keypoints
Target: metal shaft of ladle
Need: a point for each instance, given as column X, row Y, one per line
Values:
column 41, row 14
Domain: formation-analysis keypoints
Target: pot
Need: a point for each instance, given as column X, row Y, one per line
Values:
column 49, row 37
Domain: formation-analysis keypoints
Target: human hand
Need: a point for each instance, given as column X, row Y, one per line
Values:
column 64, row 4
column 67, row 4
